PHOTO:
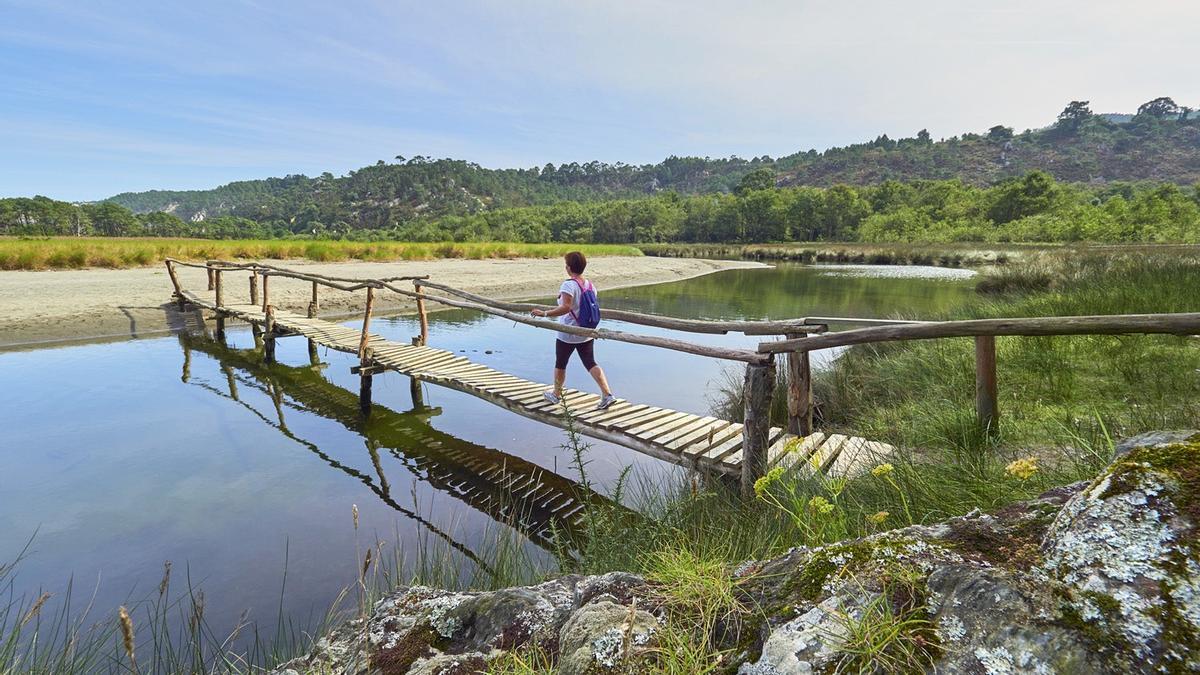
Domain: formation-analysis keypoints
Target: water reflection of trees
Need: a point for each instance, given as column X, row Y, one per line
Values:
column 544, row 506
column 794, row 290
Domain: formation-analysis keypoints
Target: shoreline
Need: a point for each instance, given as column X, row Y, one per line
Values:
column 46, row 309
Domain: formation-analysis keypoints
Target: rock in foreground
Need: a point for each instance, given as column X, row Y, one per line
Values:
column 1099, row 577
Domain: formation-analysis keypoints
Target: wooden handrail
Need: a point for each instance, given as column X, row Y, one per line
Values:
column 744, row 355
column 1115, row 324
column 788, row 327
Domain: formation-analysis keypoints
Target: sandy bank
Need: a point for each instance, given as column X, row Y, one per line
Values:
column 58, row 306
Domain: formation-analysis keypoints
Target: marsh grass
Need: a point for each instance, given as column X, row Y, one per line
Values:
column 920, row 394
column 941, row 255
column 81, row 252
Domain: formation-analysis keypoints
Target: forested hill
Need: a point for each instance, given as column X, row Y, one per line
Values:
column 1161, row 143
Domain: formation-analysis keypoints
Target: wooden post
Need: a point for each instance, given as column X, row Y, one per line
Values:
column 175, row 283
column 269, row 333
column 421, row 313
column 220, row 304
column 210, row 278
column 187, row 360
column 253, row 288
column 231, row 381
column 414, row 385
column 313, row 306
column 266, row 296
column 364, row 383
column 314, row 359
column 364, row 357
column 800, row 419
column 759, row 388
column 986, row 409
column 362, row 343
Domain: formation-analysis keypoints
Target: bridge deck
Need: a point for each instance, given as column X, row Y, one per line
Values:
column 682, row 438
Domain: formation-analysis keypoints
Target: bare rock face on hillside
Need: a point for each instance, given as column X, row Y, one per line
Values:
column 1099, row 577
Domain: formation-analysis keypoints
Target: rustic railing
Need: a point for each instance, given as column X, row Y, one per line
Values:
column 801, row 337
column 985, row 332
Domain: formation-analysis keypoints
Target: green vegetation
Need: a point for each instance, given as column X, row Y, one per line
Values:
column 1051, row 388
column 79, row 252
column 1031, row 208
column 1159, row 143
column 1086, row 178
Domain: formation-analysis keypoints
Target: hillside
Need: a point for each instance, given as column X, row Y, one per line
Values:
column 1081, row 148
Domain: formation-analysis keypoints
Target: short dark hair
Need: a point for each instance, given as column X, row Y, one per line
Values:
column 576, row 262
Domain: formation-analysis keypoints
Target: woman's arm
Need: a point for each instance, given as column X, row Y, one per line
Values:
column 564, row 306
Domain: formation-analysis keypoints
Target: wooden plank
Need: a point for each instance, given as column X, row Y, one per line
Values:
column 701, row 437
column 823, row 456
column 616, row 409
column 719, row 437
column 737, row 457
column 856, row 457
column 698, row 424
column 801, row 452
column 715, row 454
column 655, row 428
column 635, row 419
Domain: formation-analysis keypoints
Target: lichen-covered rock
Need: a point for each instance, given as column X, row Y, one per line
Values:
column 1126, row 549
column 1100, row 577
column 604, row 636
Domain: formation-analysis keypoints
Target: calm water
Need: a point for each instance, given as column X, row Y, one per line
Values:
column 116, row 457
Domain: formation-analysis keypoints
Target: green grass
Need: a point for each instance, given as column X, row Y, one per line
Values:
column 920, row 394
column 942, row 255
column 80, row 252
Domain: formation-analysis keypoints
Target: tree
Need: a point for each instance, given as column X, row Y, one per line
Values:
column 1000, row 133
column 1034, row 194
column 1159, row 108
column 1072, row 116
column 758, row 179
column 923, row 137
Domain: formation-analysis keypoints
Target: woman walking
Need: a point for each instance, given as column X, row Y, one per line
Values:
column 569, row 295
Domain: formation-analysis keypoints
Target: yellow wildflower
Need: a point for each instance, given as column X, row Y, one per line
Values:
column 761, row 485
column 878, row 517
column 1023, row 468
column 820, row 505
column 882, row 470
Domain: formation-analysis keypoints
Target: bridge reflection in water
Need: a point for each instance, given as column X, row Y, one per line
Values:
column 542, row 505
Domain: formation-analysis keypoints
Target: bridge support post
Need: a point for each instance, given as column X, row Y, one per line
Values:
column 364, row 383
column 253, row 288
column 799, row 380
column 756, row 429
column 220, row 304
column 313, row 306
column 269, row 333
column 175, row 282
column 314, row 359
column 424, row 318
column 414, row 385
column 986, row 408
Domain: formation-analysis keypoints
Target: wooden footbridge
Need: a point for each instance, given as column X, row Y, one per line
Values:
column 744, row 450
column 546, row 507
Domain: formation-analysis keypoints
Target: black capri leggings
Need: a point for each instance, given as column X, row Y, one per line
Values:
column 562, row 353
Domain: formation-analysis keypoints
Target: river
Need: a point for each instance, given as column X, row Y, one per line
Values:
column 116, row 457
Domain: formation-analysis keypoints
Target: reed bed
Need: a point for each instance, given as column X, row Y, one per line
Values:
column 83, row 252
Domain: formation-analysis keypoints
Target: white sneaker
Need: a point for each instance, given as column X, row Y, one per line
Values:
column 605, row 401
column 551, row 397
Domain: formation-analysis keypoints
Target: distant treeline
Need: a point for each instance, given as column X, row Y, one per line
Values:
column 1032, row 208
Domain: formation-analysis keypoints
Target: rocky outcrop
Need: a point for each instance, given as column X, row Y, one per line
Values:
column 1099, row 577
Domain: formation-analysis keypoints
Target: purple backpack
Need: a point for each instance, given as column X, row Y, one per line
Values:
column 589, row 306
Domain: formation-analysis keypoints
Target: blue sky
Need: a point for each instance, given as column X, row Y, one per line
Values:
column 102, row 97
